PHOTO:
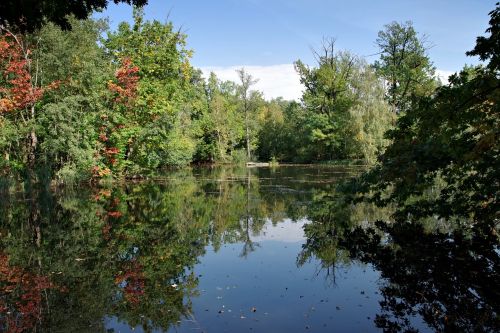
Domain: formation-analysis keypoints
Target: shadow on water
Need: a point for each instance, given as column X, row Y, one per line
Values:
column 129, row 257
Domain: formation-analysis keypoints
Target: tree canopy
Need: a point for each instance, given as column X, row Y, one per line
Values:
column 444, row 156
column 29, row 15
column 344, row 100
column 404, row 64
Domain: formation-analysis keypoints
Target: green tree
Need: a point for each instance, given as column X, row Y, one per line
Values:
column 272, row 131
column 222, row 124
column 346, row 114
column 159, row 125
column 444, row 156
column 22, row 88
column 67, row 121
column 404, row 64
column 247, row 97
column 328, row 99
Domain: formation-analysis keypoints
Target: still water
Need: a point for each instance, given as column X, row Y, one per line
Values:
column 236, row 250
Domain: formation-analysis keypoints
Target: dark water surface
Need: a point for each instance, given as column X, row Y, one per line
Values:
column 236, row 250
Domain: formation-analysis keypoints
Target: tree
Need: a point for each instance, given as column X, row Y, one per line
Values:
column 343, row 100
column 30, row 15
column 444, row 156
column 21, row 89
column 488, row 48
column 404, row 64
column 246, row 81
column 67, row 122
column 222, row 124
column 159, row 126
column 327, row 99
column 272, row 131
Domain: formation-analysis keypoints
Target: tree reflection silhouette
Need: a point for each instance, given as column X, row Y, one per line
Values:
column 447, row 278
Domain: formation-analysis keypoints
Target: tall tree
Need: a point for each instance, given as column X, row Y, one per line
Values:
column 67, row 119
column 21, row 89
column 221, row 126
column 159, row 125
column 327, row 99
column 246, row 82
column 404, row 64
column 444, row 158
column 343, row 100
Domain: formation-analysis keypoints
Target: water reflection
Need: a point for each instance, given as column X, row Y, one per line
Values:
column 201, row 249
column 447, row 279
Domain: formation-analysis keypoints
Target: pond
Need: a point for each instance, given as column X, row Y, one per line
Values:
column 236, row 250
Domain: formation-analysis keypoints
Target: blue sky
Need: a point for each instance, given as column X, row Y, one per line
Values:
column 267, row 36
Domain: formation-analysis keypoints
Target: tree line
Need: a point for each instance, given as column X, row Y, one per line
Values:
column 89, row 103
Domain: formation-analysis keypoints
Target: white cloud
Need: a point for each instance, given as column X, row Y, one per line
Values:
column 443, row 75
column 278, row 80
column 274, row 81
column 285, row 231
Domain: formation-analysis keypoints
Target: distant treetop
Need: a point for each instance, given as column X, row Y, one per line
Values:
column 28, row 15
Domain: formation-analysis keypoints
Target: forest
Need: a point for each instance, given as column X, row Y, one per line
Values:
column 80, row 102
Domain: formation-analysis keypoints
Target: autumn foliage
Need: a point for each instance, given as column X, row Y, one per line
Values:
column 132, row 282
column 124, row 90
column 125, row 87
column 18, row 90
column 21, row 295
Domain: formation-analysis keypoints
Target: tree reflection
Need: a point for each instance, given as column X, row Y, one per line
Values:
column 124, row 252
column 75, row 260
column 448, row 278
column 22, row 297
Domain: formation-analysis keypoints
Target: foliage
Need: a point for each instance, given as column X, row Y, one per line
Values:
column 159, row 124
column 346, row 114
column 448, row 147
column 19, row 92
column 222, row 124
column 31, row 15
column 131, row 104
column 404, row 65
column 67, row 118
column 249, row 101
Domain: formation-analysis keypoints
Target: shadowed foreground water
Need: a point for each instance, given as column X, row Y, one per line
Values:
column 237, row 250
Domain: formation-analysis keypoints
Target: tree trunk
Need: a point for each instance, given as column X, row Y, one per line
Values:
column 248, row 145
column 247, row 133
column 32, row 144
